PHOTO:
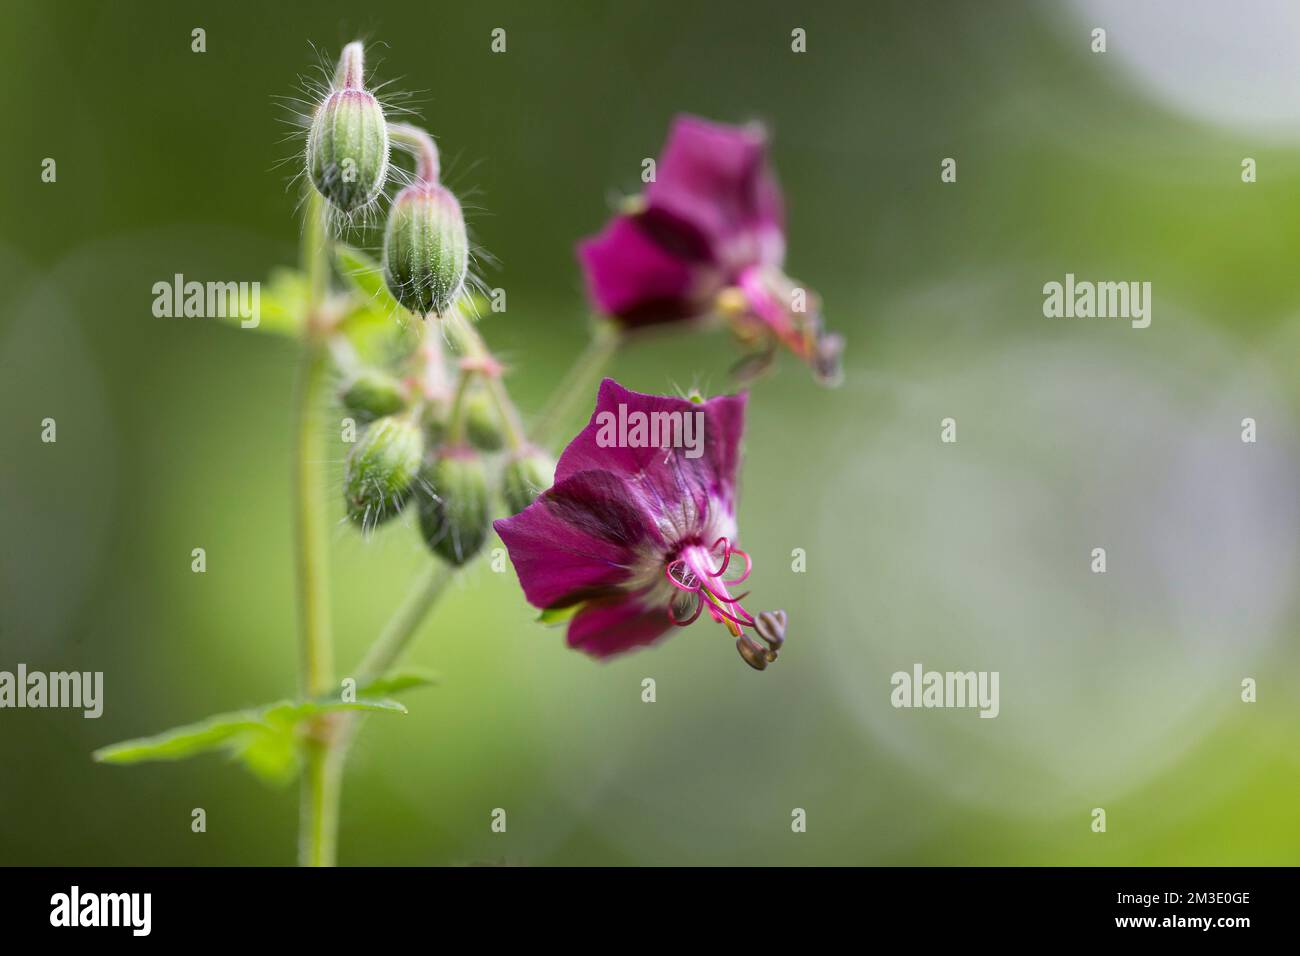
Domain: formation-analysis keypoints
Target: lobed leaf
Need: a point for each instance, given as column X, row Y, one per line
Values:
column 282, row 304
column 394, row 682
column 264, row 740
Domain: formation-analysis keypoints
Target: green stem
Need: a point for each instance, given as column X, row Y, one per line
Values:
column 310, row 524
column 577, row 382
column 456, row 417
column 420, row 145
column 319, row 803
column 471, row 345
column 406, row 621
column 392, row 643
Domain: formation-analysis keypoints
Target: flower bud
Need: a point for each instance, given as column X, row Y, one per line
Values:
column 373, row 394
column 526, row 476
column 347, row 149
column 426, row 249
column 435, row 428
column 380, row 470
column 482, row 424
column 453, row 503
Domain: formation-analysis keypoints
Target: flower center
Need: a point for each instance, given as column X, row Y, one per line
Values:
column 701, row 575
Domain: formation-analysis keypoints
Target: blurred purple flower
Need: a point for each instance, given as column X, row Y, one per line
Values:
column 709, row 236
column 634, row 537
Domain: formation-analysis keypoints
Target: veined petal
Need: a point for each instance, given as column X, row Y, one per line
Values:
column 583, row 537
column 691, row 485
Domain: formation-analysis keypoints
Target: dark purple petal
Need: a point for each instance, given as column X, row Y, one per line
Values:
column 579, row 539
column 666, row 483
column 641, row 278
column 605, row 628
column 717, row 178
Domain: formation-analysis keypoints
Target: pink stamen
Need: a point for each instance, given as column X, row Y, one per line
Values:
column 691, row 573
column 726, row 555
column 749, row 565
column 699, row 607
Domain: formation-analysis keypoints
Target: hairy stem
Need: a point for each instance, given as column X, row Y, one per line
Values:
column 420, row 145
column 319, row 795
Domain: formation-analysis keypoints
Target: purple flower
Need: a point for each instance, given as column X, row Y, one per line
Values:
column 638, row 532
column 709, row 236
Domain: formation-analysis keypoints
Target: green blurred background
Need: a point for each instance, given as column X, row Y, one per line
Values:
column 1118, row 691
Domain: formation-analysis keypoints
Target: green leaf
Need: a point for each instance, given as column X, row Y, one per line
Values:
column 381, row 337
column 265, row 739
column 282, row 303
column 366, row 276
column 181, row 742
column 295, row 712
column 394, row 682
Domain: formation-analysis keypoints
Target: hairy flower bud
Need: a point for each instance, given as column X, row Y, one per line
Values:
column 482, row 423
column 380, row 470
column 426, row 249
column 347, row 146
column 453, row 504
column 372, row 394
column 526, row 475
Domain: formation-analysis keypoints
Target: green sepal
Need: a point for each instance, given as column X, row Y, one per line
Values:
column 554, row 616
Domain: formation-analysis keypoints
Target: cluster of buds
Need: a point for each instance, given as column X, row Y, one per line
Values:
column 450, row 451
column 438, row 436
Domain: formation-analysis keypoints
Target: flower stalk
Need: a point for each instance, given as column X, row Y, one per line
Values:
column 319, row 799
column 471, row 345
column 578, row 381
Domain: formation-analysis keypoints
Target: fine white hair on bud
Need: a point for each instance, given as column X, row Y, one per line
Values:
column 426, row 249
column 526, row 475
column 347, row 145
column 453, row 503
column 380, row 471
